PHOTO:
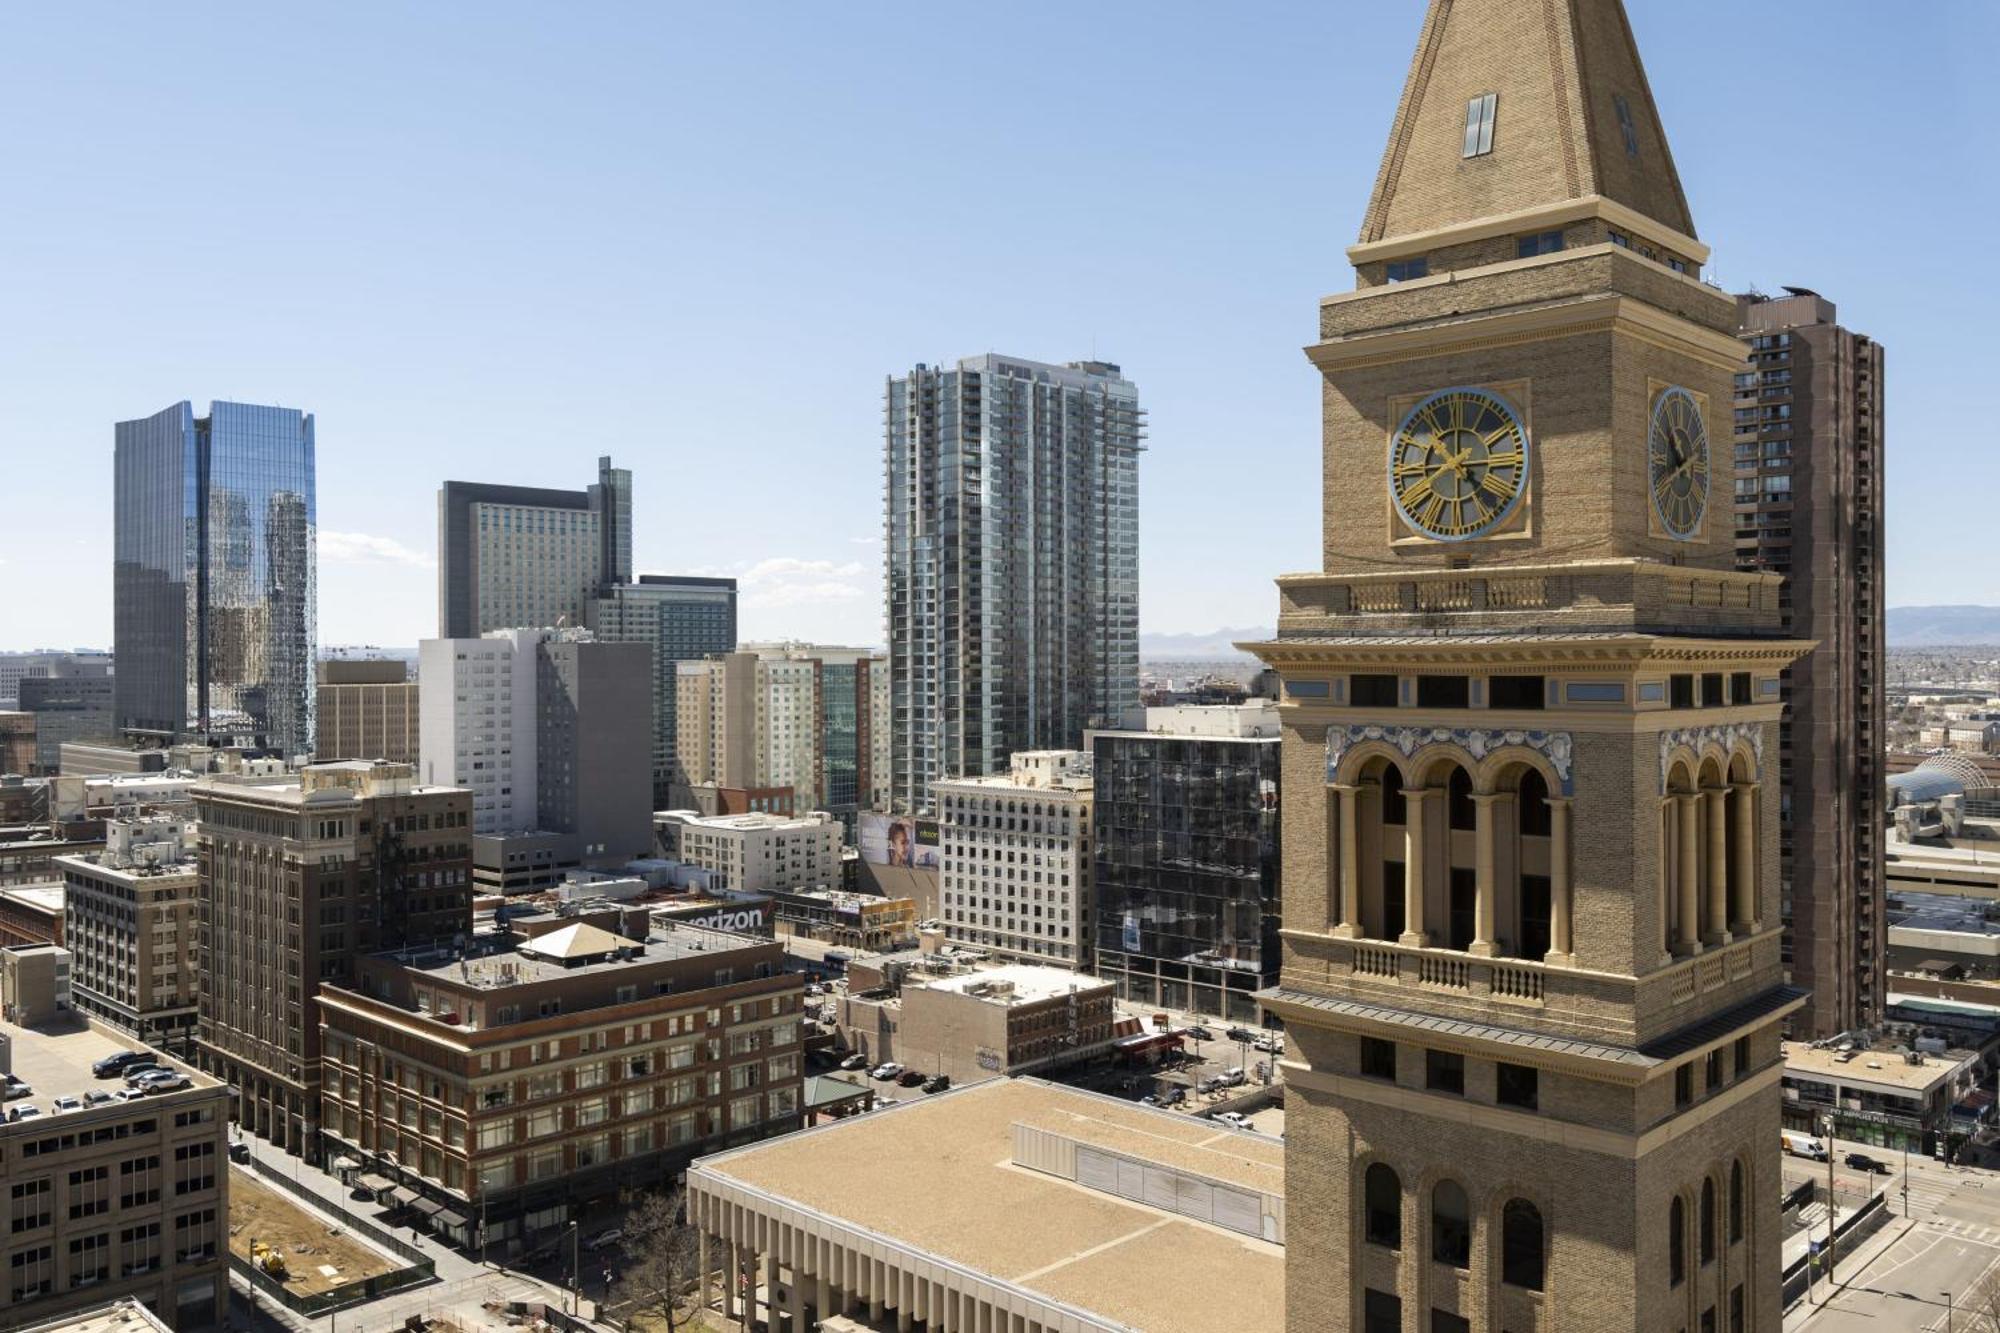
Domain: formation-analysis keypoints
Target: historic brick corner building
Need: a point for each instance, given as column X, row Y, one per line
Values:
column 1531, row 931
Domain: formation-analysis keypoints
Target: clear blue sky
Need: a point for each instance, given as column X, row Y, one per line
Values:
column 494, row 241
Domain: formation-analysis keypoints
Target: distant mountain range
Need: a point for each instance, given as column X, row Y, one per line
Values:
column 1942, row 626
column 1214, row 646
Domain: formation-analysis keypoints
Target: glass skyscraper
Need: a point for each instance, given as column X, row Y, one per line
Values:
column 1012, row 522
column 214, row 576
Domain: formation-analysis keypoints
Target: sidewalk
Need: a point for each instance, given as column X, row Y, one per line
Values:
column 1851, row 1270
column 462, row 1285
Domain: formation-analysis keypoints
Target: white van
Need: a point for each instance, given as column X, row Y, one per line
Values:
column 1803, row 1145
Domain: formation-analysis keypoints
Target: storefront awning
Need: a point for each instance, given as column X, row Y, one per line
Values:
column 428, row 1207
column 447, row 1218
column 403, row 1198
column 376, row 1183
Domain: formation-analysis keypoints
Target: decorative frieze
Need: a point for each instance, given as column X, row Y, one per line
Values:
column 1723, row 736
column 1558, row 747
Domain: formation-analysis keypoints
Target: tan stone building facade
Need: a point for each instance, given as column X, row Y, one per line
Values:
column 301, row 876
column 367, row 710
column 1531, row 929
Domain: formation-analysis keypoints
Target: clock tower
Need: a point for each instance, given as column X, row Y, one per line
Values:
column 1531, row 947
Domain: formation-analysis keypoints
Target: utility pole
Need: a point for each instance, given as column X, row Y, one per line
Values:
column 575, row 1272
column 1832, row 1207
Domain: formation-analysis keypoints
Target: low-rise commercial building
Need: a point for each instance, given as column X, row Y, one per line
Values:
column 115, row 1199
column 1015, row 1205
column 851, row 920
column 1016, row 858
column 520, row 1081
column 131, row 915
column 1882, row 1093
column 31, row 914
column 67, row 708
column 754, row 853
column 985, row 1023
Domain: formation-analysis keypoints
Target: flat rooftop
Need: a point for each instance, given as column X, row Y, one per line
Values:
column 1885, row 1068
column 1941, row 911
column 125, row 1315
column 56, row 1062
column 937, row 1177
column 1016, row 983
column 497, row 967
column 41, row 897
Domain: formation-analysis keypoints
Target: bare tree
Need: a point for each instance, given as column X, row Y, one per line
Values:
column 662, row 1259
column 1979, row 1309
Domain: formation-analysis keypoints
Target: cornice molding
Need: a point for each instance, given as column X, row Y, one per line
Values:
column 1543, row 217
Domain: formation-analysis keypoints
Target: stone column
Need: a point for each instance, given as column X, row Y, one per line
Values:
column 1686, row 812
column 822, row 1298
column 1348, row 798
column 1562, row 939
column 1484, row 873
column 1743, row 916
column 730, row 1280
column 701, row 1285
column 795, row 1300
column 1717, row 917
column 1414, row 799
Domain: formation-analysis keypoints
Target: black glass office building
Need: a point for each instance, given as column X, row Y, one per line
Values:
column 215, row 576
column 1185, row 871
column 684, row 619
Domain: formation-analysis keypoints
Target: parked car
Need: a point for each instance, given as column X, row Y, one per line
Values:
column 855, row 1062
column 937, row 1084
column 167, row 1082
column 1234, row 1078
column 133, row 1073
column 113, row 1065
column 28, row 1112
column 1174, row 1097
column 68, row 1103
column 885, row 1072
column 98, row 1097
column 239, row 1151
column 1861, row 1161
column 1271, row 1043
column 1199, row 1033
column 910, row 1078
column 604, row 1239
column 1233, row 1119
column 14, row 1090
column 1241, row 1034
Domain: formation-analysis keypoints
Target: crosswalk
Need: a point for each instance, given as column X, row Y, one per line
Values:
column 1964, row 1230
column 1927, row 1194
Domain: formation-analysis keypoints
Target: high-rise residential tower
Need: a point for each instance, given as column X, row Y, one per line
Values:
column 521, row 557
column 1809, row 506
column 1531, row 970
column 1012, row 498
column 788, row 715
column 214, row 576
column 682, row 619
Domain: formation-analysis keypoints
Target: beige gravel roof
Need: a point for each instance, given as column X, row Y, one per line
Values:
column 937, row 1176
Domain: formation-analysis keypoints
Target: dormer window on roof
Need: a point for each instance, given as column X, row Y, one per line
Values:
column 1479, row 124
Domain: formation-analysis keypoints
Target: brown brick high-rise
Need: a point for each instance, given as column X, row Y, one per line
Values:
column 1531, row 944
column 1808, row 470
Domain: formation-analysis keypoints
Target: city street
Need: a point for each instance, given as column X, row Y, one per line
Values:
column 1948, row 1242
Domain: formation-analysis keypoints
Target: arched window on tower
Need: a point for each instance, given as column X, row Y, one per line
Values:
column 1708, row 1221
column 1735, row 1202
column 1533, row 805
column 1676, row 1242
column 1462, row 814
column 1383, row 1196
column 1521, row 1245
column 1451, row 1225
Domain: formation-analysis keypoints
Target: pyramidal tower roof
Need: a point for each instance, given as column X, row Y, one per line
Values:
column 1571, row 121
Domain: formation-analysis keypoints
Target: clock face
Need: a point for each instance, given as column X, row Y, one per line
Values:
column 1458, row 464
column 1677, row 462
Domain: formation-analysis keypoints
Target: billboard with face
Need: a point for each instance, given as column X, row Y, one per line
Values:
column 897, row 840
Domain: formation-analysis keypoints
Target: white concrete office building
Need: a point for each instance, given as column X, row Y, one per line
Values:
column 1016, row 858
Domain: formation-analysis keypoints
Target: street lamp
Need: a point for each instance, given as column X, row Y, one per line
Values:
column 1947, row 1311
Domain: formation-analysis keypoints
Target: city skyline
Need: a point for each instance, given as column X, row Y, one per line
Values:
column 393, row 273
